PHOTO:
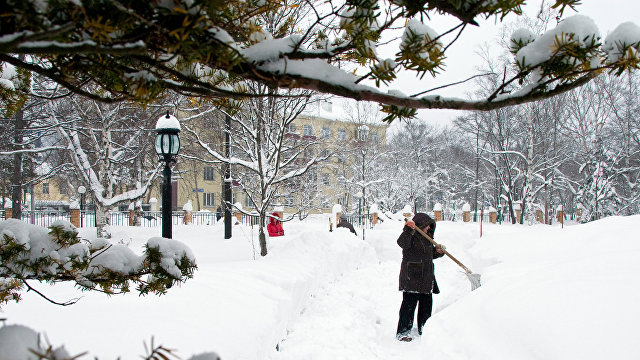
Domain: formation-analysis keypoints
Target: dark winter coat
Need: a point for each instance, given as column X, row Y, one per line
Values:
column 417, row 270
column 346, row 224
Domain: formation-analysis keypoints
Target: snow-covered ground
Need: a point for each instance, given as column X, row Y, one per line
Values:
column 547, row 293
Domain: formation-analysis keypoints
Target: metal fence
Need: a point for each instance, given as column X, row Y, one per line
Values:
column 360, row 220
column 116, row 218
column 42, row 218
column 122, row 218
column 154, row 218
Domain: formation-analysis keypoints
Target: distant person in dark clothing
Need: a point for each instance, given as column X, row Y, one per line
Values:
column 417, row 276
column 218, row 213
column 346, row 224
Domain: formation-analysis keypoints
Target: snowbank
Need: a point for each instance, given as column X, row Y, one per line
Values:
column 547, row 293
column 236, row 306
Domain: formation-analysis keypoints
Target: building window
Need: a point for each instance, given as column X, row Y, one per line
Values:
column 247, row 201
column 363, row 133
column 374, row 136
column 292, row 128
column 308, row 130
column 326, row 132
column 45, row 188
column 209, row 173
column 342, row 134
column 209, row 199
column 63, row 188
column 289, row 201
column 326, row 179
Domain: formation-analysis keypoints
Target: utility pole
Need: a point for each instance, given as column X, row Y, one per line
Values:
column 227, row 178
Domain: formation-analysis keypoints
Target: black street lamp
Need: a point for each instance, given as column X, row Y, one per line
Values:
column 167, row 147
column 82, row 190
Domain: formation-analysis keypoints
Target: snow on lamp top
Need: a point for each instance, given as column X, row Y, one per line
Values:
column 560, row 208
column 374, row 209
column 337, row 208
column 167, row 141
column 466, row 207
column 406, row 209
column 168, row 122
column 188, row 206
column 437, row 207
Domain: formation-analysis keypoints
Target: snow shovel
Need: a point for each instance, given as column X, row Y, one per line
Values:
column 473, row 278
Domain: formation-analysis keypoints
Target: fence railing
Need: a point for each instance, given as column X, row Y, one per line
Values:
column 360, row 220
column 116, row 218
column 154, row 218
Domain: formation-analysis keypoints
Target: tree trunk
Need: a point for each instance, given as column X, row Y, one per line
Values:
column 528, row 209
column 102, row 222
column 477, row 179
column 262, row 237
column 17, row 177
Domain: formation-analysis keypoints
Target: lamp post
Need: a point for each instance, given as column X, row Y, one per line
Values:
column 227, row 179
column 361, row 206
column 81, row 190
column 167, row 147
column 359, row 196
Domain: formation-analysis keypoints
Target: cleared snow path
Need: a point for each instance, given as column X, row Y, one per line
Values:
column 356, row 316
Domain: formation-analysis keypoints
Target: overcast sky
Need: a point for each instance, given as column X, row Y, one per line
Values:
column 462, row 59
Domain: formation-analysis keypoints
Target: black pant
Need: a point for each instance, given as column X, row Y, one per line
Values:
column 408, row 308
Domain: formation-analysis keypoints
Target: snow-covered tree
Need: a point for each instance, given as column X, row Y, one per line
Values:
column 413, row 144
column 138, row 50
column 27, row 150
column 109, row 147
column 265, row 157
column 624, row 130
column 364, row 153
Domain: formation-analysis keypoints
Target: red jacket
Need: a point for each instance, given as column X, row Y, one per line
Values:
column 274, row 228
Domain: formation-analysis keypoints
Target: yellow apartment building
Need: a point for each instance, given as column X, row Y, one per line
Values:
column 201, row 183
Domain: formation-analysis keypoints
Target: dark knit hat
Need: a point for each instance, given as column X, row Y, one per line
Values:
column 422, row 220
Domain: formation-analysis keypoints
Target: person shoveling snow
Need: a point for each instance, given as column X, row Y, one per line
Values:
column 417, row 276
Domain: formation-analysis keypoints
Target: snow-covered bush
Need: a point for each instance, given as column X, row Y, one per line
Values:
column 19, row 342
column 31, row 252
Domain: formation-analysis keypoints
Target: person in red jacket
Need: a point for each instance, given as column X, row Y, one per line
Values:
column 275, row 228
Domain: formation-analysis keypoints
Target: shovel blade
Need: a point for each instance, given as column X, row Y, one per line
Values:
column 474, row 279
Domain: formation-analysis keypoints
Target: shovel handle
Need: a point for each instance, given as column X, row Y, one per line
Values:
column 466, row 269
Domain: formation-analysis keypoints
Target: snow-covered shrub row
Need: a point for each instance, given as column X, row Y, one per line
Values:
column 31, row 252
